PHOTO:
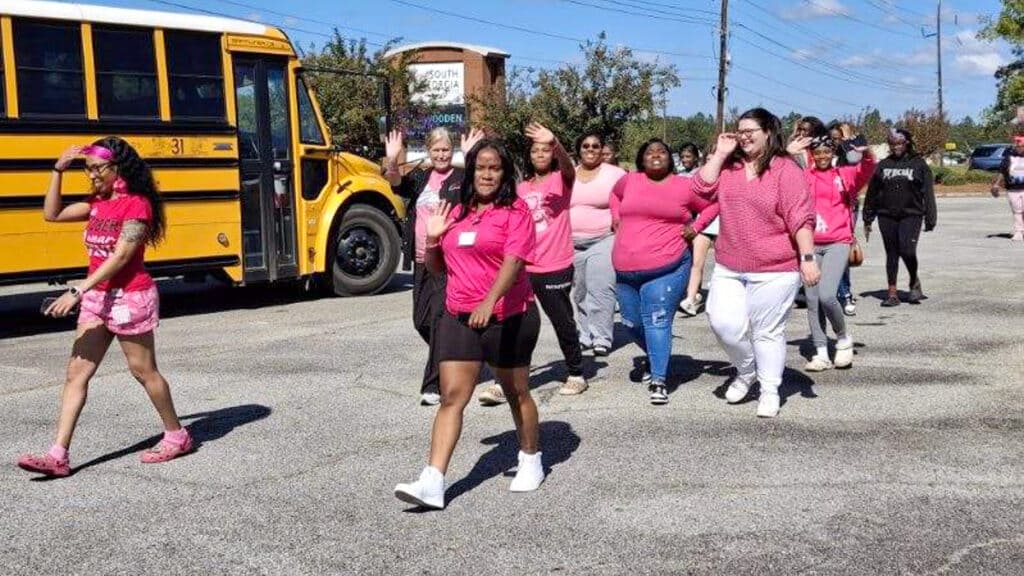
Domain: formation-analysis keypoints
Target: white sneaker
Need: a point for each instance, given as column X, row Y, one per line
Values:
column 492, row 395
column 768, row 405
column 530, row 473
column 430, row 399
column 573, row 386
column 427, row 492
column 850, row 308
column 818, row 364
column 844, row 356
column 692, row 307
column 737, row 391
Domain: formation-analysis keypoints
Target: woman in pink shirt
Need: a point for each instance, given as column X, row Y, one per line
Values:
column 593, row 286
column 834, row 189
column 117, row 299
column 483, row 243
column 765, row 246
column 651, row 214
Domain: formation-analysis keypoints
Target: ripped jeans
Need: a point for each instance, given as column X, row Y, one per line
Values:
column 647, row 301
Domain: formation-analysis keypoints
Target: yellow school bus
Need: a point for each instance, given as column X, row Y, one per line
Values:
column 219, row 108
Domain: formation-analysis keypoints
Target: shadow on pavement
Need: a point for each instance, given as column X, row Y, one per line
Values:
column 558, row 441
column 793, row 382
column 205, row 427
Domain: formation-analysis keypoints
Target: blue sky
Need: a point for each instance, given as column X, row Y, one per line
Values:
column 823, row 57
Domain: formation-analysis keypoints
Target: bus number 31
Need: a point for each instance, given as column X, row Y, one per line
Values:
column 177, row 146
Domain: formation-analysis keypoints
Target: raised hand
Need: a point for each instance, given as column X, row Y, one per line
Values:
column 536, row 132
column 67, row 157
column 798, row 145
column 467, row 141
column 726, row 144
column 394, row 143
column 438, row 222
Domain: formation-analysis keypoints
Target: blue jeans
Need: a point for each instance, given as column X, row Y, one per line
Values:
column 648, row 300
column 845, row 286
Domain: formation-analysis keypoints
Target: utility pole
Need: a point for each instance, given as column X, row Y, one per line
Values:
column 723, row 62
column 938, row 48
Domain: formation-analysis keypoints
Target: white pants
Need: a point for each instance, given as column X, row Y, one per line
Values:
column 748, row 313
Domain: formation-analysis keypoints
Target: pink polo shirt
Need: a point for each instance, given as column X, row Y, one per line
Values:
column 474, row 250
column 760, row 217
column 589, row 215
column 835, row 192
column 651, row 216
column 548, row 201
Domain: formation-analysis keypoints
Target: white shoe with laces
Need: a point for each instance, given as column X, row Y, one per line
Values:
column 427, row 492
column 817, row 364
column 530, row 473
column 430, row 399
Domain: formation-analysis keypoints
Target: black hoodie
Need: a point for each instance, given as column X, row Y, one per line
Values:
column 901, row 187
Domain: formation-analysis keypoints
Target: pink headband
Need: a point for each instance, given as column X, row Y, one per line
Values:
column 1018, row 140
column 99, row 152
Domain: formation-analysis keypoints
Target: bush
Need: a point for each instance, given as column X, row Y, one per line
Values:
column 957, row 176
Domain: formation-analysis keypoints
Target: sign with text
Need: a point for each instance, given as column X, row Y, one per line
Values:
column 445, row 83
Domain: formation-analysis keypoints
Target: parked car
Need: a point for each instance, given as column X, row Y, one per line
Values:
column 987, row 157
column 954, row 158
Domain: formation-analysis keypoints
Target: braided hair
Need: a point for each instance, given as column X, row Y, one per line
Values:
column 139, row 178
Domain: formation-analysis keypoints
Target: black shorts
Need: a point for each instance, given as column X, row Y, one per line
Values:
column 502, row 344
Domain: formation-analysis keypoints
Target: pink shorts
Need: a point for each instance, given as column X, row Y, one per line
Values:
column 123, row 313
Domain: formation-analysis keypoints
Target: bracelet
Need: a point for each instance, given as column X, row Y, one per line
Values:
column 432, row 246
column 58, row 170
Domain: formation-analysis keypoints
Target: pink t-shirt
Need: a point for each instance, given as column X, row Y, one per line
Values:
column 474, row 250
column 425, row 204
column 835, row 191
column 106, row 218
column 759, row 218
column 588, row 208
column 548, row 202
column 651, row 216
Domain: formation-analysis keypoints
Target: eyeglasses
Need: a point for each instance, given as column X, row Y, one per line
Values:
column 748, row 133
column 97, row 169
column 590, row 146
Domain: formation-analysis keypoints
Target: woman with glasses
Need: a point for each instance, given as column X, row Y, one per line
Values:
column 591, row 221
column 117, row 299
column 765, row 247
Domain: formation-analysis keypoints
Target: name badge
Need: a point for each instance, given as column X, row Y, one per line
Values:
column 467, row 238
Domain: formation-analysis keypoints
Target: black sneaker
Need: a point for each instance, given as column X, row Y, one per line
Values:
column 659, row 395
column 916, row 295
column 891, row 301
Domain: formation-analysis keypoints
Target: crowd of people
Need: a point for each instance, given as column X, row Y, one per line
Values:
column 579, row 236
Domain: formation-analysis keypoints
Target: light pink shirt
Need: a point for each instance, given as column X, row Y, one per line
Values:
column 474, row 251
column 588, row 209
column 651, row 217
column 759, row 218
column 548, row 201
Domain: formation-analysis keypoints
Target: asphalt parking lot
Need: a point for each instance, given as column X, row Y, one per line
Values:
column 912, row 462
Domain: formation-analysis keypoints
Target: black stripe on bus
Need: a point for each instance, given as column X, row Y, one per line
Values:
column 163, row 268
column 36, row 201
column 40, row 164
column 78, row 126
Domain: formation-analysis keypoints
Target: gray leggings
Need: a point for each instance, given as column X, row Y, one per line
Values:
column 832, row 259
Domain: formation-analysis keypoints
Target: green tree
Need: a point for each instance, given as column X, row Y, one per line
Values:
column 610, row 89
column 931, row 131
column 1009, row 27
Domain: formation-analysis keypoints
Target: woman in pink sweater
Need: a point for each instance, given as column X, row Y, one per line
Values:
column 765, row 246
column 834, row 189
column 651, row 215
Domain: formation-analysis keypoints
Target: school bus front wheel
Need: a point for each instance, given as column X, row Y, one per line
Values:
column 363, row 251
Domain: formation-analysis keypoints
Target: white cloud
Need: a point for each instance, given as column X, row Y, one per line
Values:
column 815, row 9
column 858, row 61
column 254, row 17
column 979, row 64
column 803, row 54
column 910, row 81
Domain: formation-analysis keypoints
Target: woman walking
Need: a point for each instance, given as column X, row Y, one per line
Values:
column 652, row 216
column 424, row 189
column 591, row 221
column 765, row 247
column 691, row 159
column 1011, row 179
column 834, row 189
column 483, row 243
column 901, row 197
column 117, row 299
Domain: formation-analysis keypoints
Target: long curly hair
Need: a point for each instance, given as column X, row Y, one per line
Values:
column 774, row 147
column 506, row 190
column 139, row 178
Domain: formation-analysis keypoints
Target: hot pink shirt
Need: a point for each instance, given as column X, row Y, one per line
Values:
column 425, row 204
column 760, row 218
column 589, row 215
column 106, row 218
column 835, row 192
column 548, row 202
column 651, row 216
column 475, row 248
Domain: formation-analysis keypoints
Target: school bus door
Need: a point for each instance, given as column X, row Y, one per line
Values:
column 266, row 166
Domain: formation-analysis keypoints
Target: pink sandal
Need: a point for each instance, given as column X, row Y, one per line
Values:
column 165, row 451
column 45, row 465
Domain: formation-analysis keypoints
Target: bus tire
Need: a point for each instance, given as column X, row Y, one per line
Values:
column 364, row 252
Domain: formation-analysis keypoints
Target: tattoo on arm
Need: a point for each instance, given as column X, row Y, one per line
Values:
column 134, row 231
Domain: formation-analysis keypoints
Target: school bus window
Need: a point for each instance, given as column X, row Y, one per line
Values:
column 309, row 128
column 195, row 75
column 125, row 72
column 49, row 68
column 245, row 106
column 280, row 135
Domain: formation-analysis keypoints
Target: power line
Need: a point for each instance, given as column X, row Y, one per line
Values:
column 672, row 18
column 831, row 10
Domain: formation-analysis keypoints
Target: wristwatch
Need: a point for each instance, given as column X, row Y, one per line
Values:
column 74, row 291
column 807, row 257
